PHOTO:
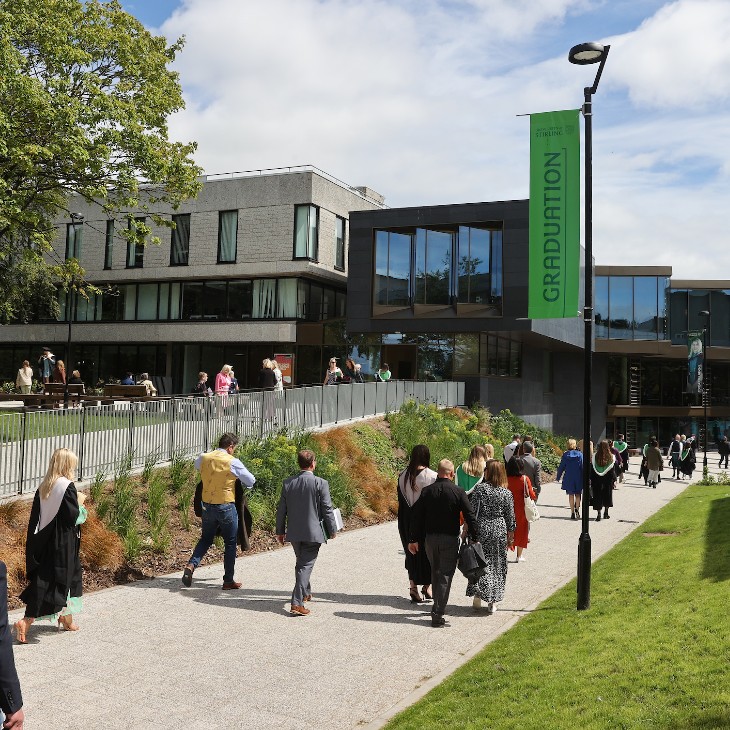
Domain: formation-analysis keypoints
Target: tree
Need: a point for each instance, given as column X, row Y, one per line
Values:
column 85, row 95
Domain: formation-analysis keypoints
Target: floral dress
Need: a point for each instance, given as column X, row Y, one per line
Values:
column 495, row 515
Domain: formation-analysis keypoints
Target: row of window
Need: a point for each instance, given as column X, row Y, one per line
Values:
column 645, row 308
column 438, row 266
column 487, row 354
column 306, row 239
column 234, row 300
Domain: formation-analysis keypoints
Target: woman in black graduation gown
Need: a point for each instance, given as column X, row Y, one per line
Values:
column 411, row 482
column 53, row 565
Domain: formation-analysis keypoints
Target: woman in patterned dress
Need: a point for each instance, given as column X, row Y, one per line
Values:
column 494, row 509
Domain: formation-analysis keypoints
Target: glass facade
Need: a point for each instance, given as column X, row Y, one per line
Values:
column 180, row 240
column 684, row 314
column 630, row 307
column 438, row 266
column 339, row 243
column 235, row 300
column 135, row 249
column 306, row 232
column 74, row 236
column 109, row 245
column 227, row 236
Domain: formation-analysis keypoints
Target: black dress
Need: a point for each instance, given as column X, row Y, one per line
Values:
column 418, row 565
column 602, row 487
column 52, row 558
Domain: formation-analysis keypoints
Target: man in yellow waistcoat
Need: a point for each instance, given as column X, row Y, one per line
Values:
column 219, row 471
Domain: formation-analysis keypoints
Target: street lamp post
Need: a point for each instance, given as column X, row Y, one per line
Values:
column 76, row 220
column 584, row 54
column 705, row 380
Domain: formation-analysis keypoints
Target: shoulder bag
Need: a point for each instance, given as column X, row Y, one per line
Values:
column 472, row 562
column 530, row 507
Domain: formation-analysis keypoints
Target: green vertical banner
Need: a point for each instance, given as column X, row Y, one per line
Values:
column 554, row 215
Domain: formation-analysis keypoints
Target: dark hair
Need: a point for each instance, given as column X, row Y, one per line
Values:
column 603, row 453
column 653, row 442
column 227, row 440
column 515, row 467
column 420, row 456
column 306, row 458
column 384, row 366
column 527, row 447
column 620, row 437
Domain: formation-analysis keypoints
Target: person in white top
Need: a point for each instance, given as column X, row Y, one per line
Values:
column 511, row 449
column 24, row 378
column 279, row 387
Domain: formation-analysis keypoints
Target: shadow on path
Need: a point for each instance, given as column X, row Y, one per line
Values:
column 716, row 561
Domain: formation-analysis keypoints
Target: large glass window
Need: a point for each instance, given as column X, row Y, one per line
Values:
column 164, row 300
column 227, row 236
column 306, row 232
column 74, row 234
column 434, row 252
column 621, row 302
column 339, row 243
column 264, row 299
column 720, row 318
column 314, row 307
column 697, row 301
column 147, row 301
column 287, row 299
column 214, row 300
column 109, row 245
column 175, row 297
column 466, row 354
column 192, row 300
column 128, row 294
column 600, row 292
column 135, row 249
column 180, row 242
column 392, row 268
column 646, row 309
column 678, row 315
column 474, row 260
column 240, row 299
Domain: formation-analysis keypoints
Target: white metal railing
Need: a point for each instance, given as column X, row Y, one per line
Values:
column 156, row 430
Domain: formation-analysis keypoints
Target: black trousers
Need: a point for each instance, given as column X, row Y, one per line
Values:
column 443, row 553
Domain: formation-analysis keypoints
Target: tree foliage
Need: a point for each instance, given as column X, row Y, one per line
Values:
column 85, row 95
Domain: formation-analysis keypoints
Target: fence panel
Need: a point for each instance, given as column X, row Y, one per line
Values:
column 391, row 396
column 369, row 399
column 12, row 443
column 344, row 402
column 381, row 401
column 431, row 390
column 460, row 386
column 408, row 391
column 190, row 426
column 313, row 406
column 442, row 394
column 451, row 393
column 107, row 439
column 150, row 431
column 358, row 400
column 329, row 403
column 294, row 408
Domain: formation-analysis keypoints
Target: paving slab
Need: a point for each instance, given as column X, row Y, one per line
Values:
column 154, row 654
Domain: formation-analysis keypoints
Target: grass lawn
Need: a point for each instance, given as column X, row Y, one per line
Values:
column 652, row 652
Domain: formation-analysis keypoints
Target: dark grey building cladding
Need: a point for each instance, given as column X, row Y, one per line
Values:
column 558, row 405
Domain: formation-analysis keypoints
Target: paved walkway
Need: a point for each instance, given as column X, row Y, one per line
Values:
column 155, row 655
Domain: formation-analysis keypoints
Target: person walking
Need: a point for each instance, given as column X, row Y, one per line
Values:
column 219, row 470
column 570, row 471
column 411, row 483
column 511, row 448
column 436, row 525
column 533, row 467
column 655, row 462
column 11, row 698
column 24, row 378
column 223, row 381
column 46, row 363
column 675, row 451
column 495, row 515
column 687, row 460
column 723, row 449
column 471, row 472
column 304, row 509
column 333, row 374
column 53, row 565
column 623, row 451
column 519, row 485
column 603, row 477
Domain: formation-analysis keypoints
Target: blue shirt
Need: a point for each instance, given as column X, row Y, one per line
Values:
column 237, row 469
column 127, row 381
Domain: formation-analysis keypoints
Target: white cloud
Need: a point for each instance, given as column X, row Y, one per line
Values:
column 418, row 100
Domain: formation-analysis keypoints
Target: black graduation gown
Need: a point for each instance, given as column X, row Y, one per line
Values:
column 687, row 465
column 52, row 560
column 418, row 565
column 602, row 489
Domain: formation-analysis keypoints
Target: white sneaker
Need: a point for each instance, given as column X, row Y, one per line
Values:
column 521, row 559
column 477, row 602
column 491, row 608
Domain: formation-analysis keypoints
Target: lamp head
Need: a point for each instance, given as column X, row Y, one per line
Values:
column 704, row 313
column 586, row 53
column 76, row 217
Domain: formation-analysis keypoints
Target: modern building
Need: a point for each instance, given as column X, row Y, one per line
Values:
column 255, row 266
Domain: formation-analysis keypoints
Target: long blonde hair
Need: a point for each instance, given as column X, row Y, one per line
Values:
column 63, row 464
column 489, row 451
column 474, row 465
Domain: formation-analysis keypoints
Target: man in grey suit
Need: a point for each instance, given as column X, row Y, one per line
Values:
column 305, row 500
column 533, row 467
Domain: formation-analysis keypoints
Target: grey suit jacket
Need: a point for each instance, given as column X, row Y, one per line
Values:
column 305, row 500
column 532, row 470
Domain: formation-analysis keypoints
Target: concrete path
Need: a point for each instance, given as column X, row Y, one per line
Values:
column 156, row 655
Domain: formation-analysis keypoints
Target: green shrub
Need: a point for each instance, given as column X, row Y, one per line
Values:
column 158, row 515
column 181, row 471
column 379, row 448
column 184, row 504
column 96, row 489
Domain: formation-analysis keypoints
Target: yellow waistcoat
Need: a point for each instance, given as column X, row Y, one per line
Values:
column 219, row 484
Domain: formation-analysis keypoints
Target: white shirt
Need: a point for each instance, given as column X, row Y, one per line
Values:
column 509, row 450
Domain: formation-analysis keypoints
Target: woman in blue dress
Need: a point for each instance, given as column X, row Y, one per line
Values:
column 571, row 471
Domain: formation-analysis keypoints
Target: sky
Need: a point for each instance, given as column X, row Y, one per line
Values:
column 421, row 100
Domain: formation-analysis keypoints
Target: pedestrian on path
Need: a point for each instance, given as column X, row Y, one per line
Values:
column 304, row 511
column 571, row 472
column 52, row 548
column 675, row 451
column 219, row 470
column 603, row 477
column 436, row 524
column 687, row 460
column 655, row 462
column 511, row 448
column 11, row 699
column 533, row 467
column 723, row 449
column 519, row 485
column 411, row 483
column 623, row 452
column 471, row 472
column 495, row 515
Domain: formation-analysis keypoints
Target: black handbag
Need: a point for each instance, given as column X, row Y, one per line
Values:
column 472, row 562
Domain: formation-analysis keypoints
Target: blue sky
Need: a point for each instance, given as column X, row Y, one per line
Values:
column 419, row 100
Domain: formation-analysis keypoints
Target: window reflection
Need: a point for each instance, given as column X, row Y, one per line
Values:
column 621, row 295
column 392, row 268
column 433, row 266
column 601, row 306
column 646, row 311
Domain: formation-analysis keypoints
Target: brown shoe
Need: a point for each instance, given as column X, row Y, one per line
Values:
column 308, row 598
column 231, row 586
column 299, row 610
